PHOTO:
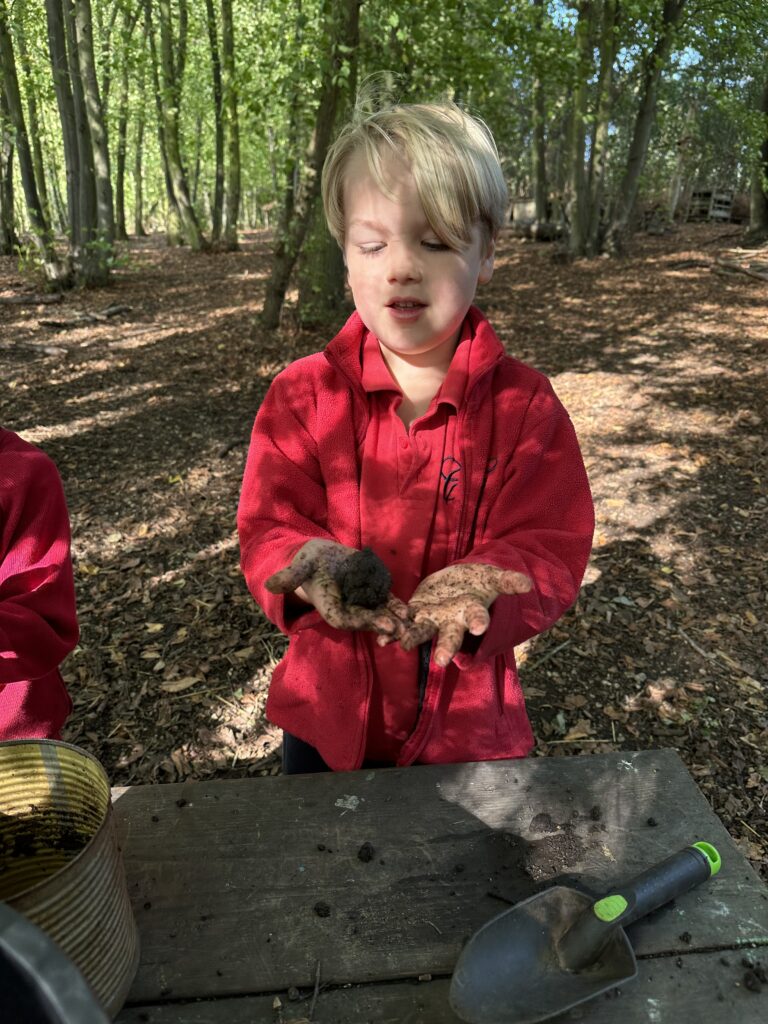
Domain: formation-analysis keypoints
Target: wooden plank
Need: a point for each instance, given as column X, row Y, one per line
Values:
column 242, row 886
column 704, row 986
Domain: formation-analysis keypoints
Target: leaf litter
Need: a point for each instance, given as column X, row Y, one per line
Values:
column 660, row 363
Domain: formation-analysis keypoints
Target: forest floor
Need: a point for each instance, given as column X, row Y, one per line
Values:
column 661, row 363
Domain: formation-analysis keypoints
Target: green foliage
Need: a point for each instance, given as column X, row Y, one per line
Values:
column 482, row 54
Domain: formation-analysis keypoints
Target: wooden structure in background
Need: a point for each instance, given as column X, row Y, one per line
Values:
column 710, row 205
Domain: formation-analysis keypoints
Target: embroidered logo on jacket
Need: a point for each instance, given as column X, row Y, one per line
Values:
column 450, row 477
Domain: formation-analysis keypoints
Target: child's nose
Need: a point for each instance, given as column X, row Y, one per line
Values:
column 404, row 264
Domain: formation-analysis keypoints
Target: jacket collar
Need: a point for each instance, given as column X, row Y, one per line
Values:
column 345, row 352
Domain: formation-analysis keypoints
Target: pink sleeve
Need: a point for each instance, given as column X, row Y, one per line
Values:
column 541, row 524
column 282, row 501
column 38, row 621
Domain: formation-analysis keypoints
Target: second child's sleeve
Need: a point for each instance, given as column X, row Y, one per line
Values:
column 38, row 621
column 541, row 524
column 283, row 501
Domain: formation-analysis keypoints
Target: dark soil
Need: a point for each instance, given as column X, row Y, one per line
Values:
column 364, row 580
column 366, row 853
column 660, row 359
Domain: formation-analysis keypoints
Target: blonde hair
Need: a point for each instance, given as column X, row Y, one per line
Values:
column 453, row 159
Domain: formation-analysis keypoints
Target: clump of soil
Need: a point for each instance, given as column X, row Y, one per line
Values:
column 366, row 853
column 322, row 909
column 364, row 579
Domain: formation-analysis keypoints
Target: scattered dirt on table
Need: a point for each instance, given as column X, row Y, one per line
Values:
column 322, row 909
column 661, row 364
column 366, row 853
column 543, row 823
column 545, row 858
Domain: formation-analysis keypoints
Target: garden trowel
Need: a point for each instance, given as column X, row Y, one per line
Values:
column 562, row 947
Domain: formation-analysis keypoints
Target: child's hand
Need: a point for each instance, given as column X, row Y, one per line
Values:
column 454, row 600
column 313, row 575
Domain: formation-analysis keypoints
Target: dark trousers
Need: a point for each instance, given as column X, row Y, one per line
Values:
column 299, row 758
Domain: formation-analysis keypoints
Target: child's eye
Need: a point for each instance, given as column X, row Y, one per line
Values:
column 436, row 246
column 369, row 250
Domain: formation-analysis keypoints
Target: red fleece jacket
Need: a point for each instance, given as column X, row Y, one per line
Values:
column 38, row 622
column 527, row 507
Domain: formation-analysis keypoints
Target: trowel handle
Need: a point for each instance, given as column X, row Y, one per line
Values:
column 585, row 940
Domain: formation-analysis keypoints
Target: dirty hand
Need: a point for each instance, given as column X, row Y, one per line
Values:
column 313, row 575
column 456, row 599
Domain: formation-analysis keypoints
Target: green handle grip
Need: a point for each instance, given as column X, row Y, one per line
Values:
column 585, row 940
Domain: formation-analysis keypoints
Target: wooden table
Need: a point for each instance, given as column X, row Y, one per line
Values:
column 247, row 892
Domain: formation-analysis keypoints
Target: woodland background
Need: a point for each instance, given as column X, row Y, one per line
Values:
column 162, row 256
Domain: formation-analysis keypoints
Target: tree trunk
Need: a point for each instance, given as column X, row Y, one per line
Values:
column 129, row 24
column 538, row 139
column 122, row 151
column 198, row 157
column 104, row 35
column 218, row 186
column 578, row 205
column 96, row 125
column 89, row 258
column 170, row 98
column 57, row 49
column 33, row 120
column 138, row 184
column 609, row 44
column 342, row 30
column 758, row 207
column 8, row 237
column 321, row 272
column 55, row 271
column 231, row 125
column 653, row 66
column 150, row 34
column 683, row 150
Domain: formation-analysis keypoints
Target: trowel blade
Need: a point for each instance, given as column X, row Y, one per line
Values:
column 509, row 971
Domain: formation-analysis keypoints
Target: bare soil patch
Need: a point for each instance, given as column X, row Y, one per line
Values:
column 147, row 413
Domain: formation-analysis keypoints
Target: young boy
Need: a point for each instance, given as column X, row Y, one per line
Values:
column 412, row 433
column 38, row 622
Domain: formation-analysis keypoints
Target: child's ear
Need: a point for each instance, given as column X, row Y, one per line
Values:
column 486, row 264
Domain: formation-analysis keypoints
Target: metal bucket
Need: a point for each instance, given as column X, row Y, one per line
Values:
column 60, row 864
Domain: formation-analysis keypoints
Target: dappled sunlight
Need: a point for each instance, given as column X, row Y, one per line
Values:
column 114, row 393
column 84, row 425
column 661, row 376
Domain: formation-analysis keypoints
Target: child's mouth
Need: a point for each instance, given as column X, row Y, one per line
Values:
column 406, row 309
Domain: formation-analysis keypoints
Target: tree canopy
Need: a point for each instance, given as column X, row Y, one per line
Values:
column 200, row 118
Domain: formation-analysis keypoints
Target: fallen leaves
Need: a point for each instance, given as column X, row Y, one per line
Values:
column 666, row 646
column 177, row 685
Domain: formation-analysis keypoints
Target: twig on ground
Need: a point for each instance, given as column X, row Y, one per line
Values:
column 726, row 267
column 86, row 318
column 31, row 300
column 695, row 646
column 545, row 657
column 742, row 822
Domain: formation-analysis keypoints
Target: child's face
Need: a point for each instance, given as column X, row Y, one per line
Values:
column 410, row 289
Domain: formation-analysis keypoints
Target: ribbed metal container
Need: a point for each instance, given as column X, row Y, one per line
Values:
column 60, row 864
